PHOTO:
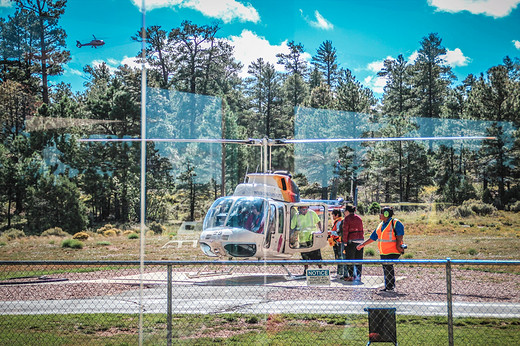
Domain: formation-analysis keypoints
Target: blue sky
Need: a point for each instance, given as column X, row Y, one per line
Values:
column 477, row 33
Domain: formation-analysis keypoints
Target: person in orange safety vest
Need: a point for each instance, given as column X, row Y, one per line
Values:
column 389, row 236
column 334, row 238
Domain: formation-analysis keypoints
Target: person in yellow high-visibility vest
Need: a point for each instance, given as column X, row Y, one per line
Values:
column 389, row 236
column 304, row 223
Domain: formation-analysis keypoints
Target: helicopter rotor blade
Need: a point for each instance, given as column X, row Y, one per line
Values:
column 171, row 140
column 380, row 139
column 276, row 142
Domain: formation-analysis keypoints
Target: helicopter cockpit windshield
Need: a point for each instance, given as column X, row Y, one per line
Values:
column 237, row 212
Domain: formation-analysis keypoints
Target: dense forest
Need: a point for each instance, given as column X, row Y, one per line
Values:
column 101, row 181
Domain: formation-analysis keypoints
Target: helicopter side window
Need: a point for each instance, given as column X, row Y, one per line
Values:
column 280, row 219
column 255, row 219
column 238, row 215
column 305, row 222
column 248, row 213
column 218, row 212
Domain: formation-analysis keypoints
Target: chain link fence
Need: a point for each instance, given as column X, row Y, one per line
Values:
column 436, row 302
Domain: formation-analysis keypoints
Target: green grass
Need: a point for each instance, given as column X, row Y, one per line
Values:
column 72, row 243
column 239, row 329
column 30, row 271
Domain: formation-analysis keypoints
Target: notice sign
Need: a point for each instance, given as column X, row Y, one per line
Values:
column 318, row 277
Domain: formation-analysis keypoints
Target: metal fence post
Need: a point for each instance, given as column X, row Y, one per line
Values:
column 449, row 301
column 169, row 306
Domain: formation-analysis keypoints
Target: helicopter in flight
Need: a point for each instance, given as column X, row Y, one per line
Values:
column 94, row 43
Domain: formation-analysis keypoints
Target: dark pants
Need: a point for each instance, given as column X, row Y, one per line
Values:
column 388, row 271
column 338, row 255
column 351, row 253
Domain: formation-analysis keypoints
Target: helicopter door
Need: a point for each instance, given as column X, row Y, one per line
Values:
column 271, row 227
column 307, row 228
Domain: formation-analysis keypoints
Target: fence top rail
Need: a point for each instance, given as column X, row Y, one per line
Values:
column 266, row 262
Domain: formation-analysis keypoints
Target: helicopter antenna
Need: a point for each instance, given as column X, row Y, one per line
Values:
column 247, row 171
column 270, row 159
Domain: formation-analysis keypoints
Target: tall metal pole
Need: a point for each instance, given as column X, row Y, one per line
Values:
column 264, row 150
column 449, row 301
column 143, row 172
column 169, row 306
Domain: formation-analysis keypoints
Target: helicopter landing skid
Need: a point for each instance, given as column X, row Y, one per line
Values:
column 290, row 276
column 202, row 273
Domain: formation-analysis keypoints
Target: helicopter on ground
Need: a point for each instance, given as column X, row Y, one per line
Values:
column 256, row 220
column 94, row 43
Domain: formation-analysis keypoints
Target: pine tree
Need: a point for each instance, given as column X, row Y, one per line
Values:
column 50, row 38
column 326, row 61
column 157, row 52
column 397, row 91
column 431, row 77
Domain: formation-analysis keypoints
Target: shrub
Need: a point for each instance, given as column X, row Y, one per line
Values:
column 13, row 233
column 110, row 232
column 479, row 207
column 515, row 206
column 72, row 243
column 252, row 320
column 462, row 211
column 408, row 256
column 374, row 208
column 361, row 208
column 133, row 235
column 157, row 228
column 472, row 252
column 103, row 243
column 81, row 236
column 104, row 228
column 150, row 233
column 369, row 252
column 55, row 231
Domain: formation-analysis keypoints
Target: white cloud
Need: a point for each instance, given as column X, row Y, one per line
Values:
column 112, row 61
column 492, row 8
column 111, row 68
column 377, row 84
column 130, row 61
column 517, row 44
column 249, row 47
column 6, row 3
column 413, row 57
column 318, row 22
column 453, row 58
column 376, row 66
column 226, row 10
column 72, row 72
column 456, row 58
column 113, row 64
